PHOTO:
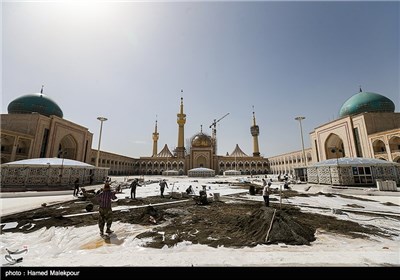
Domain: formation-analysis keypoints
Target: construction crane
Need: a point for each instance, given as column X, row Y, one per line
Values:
column 214, row 131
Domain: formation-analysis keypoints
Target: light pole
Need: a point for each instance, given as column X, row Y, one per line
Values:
column 302, row 141
column 101, row 119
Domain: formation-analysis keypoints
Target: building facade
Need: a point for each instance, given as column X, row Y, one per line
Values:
column 35, row 128
column 201, row 153
column 367, row 127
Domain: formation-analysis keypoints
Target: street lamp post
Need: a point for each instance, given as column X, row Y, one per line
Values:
column 101, row 119
column 302, row 141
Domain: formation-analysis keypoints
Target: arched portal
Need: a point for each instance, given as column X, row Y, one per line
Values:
column 334, row 147
column 201, row 161
column 379, row 147
column 394, row 144
column 68, row 147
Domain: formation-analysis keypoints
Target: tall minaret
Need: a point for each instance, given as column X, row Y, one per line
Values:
column 255, row 131
column 155, row 139
column 180, row 149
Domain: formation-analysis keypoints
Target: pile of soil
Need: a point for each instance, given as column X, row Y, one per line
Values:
column 268, row 225
column 228, row 223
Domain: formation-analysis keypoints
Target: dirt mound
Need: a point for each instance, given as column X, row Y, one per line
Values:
column 286, row 230
column 283, row 229
column 151, row 215
column 144, row 216
column 231, row 225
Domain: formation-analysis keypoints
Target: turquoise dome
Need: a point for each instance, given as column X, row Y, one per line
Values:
column 366, row 102
column 36, row 102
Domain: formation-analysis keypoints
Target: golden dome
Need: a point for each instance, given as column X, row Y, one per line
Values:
column 201, row 140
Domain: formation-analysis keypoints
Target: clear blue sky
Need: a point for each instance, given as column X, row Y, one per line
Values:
column 128, row 61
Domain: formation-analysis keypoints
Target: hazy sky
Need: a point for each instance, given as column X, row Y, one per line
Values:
column 128, row 61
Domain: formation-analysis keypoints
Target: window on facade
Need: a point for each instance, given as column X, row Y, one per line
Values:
column 362, row 175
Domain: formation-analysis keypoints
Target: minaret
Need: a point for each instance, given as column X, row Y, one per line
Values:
column 255, row 131
column 155, row 139
column 180, row 149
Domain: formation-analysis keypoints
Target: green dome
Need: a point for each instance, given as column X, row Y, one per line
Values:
column 366, row 102
column 36, row 102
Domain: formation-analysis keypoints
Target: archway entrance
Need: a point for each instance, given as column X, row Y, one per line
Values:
column 68, row 147
column 201, row 161
column 334, row 147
